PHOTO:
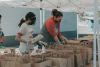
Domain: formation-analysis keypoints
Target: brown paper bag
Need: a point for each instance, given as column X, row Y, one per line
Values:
column 26, row 65
column 5, row 63
column 59, row 62
column 47, row 63
column 78, row 60
column 89, row 55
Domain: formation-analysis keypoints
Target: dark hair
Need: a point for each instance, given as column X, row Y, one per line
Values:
column 56, row 13
column 29, row 15
column 21, row 22
column 0, row 16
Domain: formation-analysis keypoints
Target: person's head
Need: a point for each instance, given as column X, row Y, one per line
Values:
column 57, row 15
column 30, row 18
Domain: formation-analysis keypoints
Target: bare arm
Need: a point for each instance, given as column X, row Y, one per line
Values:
column 18, row 38
column 57, row 40
column 64, row 39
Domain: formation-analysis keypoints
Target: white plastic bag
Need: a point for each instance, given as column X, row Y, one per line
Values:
column 34, row 51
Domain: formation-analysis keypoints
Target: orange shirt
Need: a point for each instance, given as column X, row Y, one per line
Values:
column 50, row 26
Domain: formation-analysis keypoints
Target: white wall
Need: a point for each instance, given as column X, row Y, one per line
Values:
column 11, row 17
column 85, row 27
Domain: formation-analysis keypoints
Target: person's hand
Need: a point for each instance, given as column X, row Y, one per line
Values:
column 64, row 41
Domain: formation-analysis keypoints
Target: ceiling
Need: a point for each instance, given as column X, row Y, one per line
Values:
column 64, row 5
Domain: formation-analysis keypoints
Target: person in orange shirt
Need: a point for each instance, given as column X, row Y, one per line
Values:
column 51, row 28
